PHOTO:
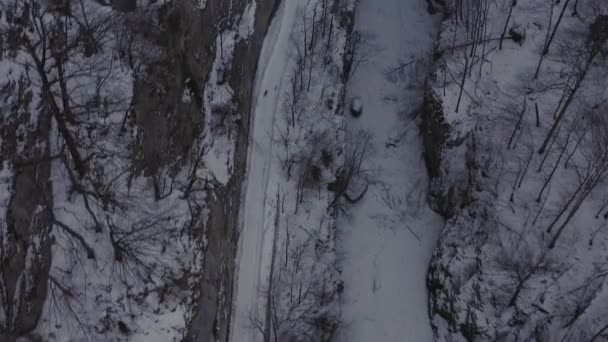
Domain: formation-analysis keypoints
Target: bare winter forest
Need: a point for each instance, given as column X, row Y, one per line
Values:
column 303, row 170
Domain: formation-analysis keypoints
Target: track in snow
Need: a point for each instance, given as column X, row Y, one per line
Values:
column 257, row 227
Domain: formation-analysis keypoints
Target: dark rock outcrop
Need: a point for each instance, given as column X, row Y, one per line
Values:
column 211, row 319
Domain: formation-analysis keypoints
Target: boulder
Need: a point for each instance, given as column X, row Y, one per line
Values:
column 356, row 107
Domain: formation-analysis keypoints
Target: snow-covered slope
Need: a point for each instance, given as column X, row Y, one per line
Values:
column 387, row 239
column 523, row 256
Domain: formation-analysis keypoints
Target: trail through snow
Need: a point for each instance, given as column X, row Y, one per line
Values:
column 257, row 227
column 384, row 263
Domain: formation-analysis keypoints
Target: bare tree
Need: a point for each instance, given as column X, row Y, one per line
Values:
column 600, row 333
column 580, row 299
column 300, row 292
column 542, row 56
column 589, row 176
column 596, row 38
column 559, row 20
column 504, row 31
column 557, row 163
column 351, row 174
column 520, row 263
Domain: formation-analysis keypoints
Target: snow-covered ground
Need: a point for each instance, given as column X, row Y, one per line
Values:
column 257, row 235
column 387, row 239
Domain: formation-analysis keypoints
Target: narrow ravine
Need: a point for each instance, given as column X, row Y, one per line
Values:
column 387, row 239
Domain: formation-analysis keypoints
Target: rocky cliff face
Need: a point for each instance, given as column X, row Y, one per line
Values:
column 169, row 50
column 451, row 183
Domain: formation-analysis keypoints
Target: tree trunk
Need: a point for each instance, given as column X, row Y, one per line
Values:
column 575, row 9
column 561, row 154
column 579, row 80
column 49, row 100
column 504, row 31
column 559, row 20
column 588, row 188
column 464, row 77
column 558, row 119
column 542, row 55
column 599, row 333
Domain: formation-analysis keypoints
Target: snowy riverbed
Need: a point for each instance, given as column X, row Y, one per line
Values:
column 387, row 239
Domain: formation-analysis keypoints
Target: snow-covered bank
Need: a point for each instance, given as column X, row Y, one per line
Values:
column 388, row 238
column 296, row 150
column 257, row 234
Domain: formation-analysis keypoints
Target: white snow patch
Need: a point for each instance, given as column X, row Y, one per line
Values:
column 218, row 110
column 247, row 22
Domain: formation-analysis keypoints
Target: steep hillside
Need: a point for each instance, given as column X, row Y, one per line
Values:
column 122, row 139
column 515, row 129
